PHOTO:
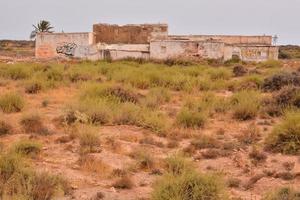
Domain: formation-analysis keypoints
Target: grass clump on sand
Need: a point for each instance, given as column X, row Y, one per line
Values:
column 33, row 123
column 34, row 86
column 156, row 97
column 195, row 113
column 89, row 139
column 27, row 148
column 182, row 182
column 285, row 193
column 19, row 181
column 285, row 137
column 246, row 104
column 11, row 102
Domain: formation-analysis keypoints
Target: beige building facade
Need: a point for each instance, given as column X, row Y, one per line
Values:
column 151, row 41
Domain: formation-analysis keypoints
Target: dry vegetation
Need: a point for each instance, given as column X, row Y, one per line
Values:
column 143, row 130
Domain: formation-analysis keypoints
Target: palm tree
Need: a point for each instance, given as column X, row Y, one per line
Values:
column 42, row 26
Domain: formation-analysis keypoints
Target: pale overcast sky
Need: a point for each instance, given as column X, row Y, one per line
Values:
column 248, row 17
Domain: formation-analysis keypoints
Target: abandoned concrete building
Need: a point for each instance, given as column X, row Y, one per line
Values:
column 151, row 41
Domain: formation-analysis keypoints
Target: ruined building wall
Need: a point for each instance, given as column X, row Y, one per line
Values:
column 228, row 39
column 129, row 34
column 51, row 45
column 121, row 51
column 251, row 53
column 213, row 50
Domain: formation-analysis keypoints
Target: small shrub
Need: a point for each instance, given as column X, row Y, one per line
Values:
column 11, row 102
column 191, row 119
column 154, row 121
column 114, row 92
column 143, row 158
column 257, row 155
column 250, row 135
column 93, row 164
column 177, row 164
column 246, row 105
column 128, row 114
column 45, row 186
column 271, row 64
column 5, row 128
column 285, row 193
column 156, row 97
column 123, row 183
column 239, row 70
column 189, row 186
column 89, row 140
column 173, row 144
column 285, row 137
column 32, row 123
column 281, row 79
column 287, row 176
column 219, row 73
column 9, row 164
column 233, row 182
column 27, row 148
column 288, row 96
column 211, row 154
column 33, row 87
column 205, row 141
column 17, row 72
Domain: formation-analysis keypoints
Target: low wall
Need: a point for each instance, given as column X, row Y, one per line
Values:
column 121, row 51
column 51, row 45
column 129, row 34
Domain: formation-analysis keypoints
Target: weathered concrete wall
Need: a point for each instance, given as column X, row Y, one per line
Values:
column 129, row 34
column 175, row 49
column 170, row 49
column 251, row 53
column 214, row 50
column 121, row 51
column 228, row 39
column 51, row 45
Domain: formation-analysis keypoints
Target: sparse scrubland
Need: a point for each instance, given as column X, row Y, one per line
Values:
column 134, row 129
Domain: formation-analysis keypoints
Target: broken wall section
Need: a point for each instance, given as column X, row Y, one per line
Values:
column 129, row 34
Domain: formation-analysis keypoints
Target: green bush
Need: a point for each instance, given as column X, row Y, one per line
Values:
column 285, row 137
column 33, row 86
column 109, row 91
column 182, row 182
column 177, row 164
column 32, row 123
column 156, row 97
column 143, row 158
column 11, row 102
column 271, row 64
column 246, row 104
column 27, row 148
column 205, row 141
column 17, row 72
column 191, row 119
column 154, row 121
column 89, row 139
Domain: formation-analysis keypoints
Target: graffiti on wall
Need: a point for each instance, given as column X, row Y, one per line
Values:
column 68, row 49
column 254, row 53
